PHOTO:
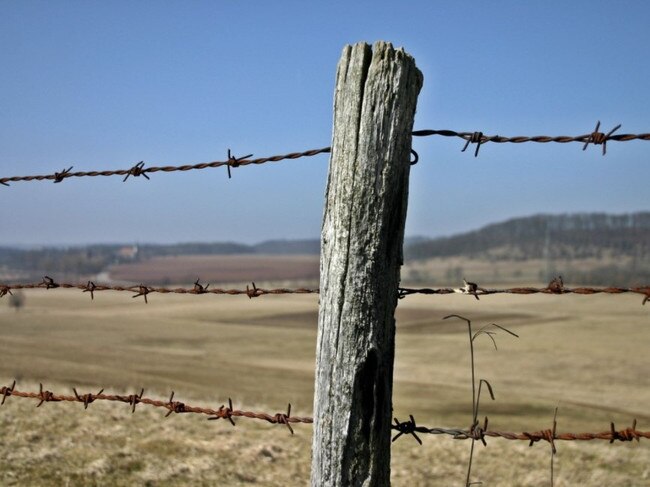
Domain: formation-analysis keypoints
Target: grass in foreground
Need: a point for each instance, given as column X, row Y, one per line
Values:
column 585, row 354
column 107, row 445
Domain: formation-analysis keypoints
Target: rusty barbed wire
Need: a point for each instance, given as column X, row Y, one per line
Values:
column 141, row 290
column 479, row 138
column 139, row 169
column 476, row 291
column 228, row 413
column 611, row 435
column 177, row 407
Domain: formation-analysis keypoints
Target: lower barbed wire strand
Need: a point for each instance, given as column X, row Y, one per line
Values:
column 407, row 427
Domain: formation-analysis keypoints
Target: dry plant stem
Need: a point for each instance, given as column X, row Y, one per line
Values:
column 474, row 401
column 553, row 448
column 479, row 433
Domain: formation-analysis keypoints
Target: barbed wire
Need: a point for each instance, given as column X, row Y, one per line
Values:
column 178, row 407
column 229, row 413
column 252, row 291
column 142, row 290
column 596, row 137
column 473, row 289
column 140, row 170
column 479, row 138
column 481, row 432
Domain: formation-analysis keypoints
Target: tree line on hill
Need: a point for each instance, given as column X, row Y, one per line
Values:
column 579, row 236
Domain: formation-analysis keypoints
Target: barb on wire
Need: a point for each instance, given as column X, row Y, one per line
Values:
column 628, row 434
column 142, row 291
column 471, row 288
column 225, row 413
column 135, row 171
column 134, row 399
column 281, row 418
column 406, row 428
column 479, row 138
column 235, row 161
column 90, row 288
column 556, row 286
column 139, row 169
column 252, row 292
column 60, row 176
column 86, row 398
column 200, row 288
column 598, row 138
column 475, row 138
column 7, row 391
column 43, row 395
column 48, row 283
column 174, row 406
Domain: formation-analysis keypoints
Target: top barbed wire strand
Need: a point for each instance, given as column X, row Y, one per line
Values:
column 542, row 139
column 596, row 137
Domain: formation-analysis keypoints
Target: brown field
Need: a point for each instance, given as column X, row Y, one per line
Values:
column 449, row 271
column 218, row 269
column 585, row 354
column 441, row 272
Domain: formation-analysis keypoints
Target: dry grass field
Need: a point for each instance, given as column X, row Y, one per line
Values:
column 449, row 271
column 585, row 354
column 218, row 268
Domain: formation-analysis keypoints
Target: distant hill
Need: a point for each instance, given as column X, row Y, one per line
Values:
column 589, row 248
column 592, row 248
column 576, row 236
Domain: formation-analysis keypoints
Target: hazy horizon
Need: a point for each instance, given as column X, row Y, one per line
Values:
column 36, row 245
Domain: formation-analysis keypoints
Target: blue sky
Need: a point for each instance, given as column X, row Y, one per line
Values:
column 103, row 85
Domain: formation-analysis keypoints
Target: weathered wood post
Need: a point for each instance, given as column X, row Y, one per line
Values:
column 361, row 254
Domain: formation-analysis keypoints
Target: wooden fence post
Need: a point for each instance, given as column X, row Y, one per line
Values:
column 361, row 254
